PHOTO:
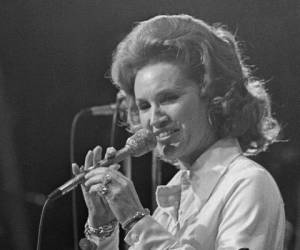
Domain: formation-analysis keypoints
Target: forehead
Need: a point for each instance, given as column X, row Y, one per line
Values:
column 161, row 76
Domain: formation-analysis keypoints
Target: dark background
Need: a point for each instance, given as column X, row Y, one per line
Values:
column 54, row 55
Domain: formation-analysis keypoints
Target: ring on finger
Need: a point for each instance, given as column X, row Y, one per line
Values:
column 102, row 190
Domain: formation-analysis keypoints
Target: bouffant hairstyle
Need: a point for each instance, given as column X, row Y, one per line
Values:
column 239, row 105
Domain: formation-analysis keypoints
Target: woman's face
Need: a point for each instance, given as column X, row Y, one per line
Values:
column 170, row 104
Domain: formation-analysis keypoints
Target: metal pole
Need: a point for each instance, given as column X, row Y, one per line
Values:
column 156, row 176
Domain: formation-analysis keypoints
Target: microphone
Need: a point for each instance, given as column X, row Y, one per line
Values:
column 142, row 142
column 108, row 109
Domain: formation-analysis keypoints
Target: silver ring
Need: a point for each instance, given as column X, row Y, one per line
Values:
column 102, row 190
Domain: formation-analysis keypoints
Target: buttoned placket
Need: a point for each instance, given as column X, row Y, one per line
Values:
column 185, row 184
column 187, row 202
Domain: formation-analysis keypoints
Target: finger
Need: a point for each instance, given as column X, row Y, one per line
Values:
column 114, row 172
column 96, row 176
column 75, row 169
column 88, row 162
column 97, row 155
column 110, row 153
column 115, row 166
column 112, row 169
column 93, row 180
column 95, row 171
column 100, row 177
column 94, row 189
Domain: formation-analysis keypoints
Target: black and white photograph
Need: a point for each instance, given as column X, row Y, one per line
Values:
column 149, row 125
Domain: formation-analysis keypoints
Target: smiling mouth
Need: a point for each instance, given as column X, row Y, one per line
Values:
column 165, row 135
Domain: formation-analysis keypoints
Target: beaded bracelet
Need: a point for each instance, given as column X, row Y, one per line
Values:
column 101, row 232
column 127, row 225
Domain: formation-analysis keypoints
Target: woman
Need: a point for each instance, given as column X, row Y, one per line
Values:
column 186, row 81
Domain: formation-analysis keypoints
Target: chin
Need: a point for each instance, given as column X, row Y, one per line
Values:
column 170, row 152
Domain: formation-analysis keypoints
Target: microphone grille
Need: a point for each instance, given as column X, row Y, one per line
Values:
column 142, row 142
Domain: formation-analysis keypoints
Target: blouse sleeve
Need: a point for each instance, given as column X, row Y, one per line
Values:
column 149, row 234
column 253, row 215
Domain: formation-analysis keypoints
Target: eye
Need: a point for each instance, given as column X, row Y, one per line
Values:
column 169, row 98
column 143, row 105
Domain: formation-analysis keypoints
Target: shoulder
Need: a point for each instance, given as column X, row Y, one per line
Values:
column 245, row 176
column 251, row 205
column 243, row 168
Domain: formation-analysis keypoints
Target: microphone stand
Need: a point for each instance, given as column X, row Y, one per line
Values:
column 72, row 159
column 119, row 99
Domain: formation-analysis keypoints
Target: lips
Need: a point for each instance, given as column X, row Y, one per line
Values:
column 166, row 135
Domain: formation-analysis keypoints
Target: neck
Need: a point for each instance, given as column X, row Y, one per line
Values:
column 189, row 160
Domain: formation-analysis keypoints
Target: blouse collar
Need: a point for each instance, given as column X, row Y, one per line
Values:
column 203, row 175
column 207, row 170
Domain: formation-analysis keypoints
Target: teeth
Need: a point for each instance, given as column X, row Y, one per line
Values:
column 166, row 133
column 163, row 134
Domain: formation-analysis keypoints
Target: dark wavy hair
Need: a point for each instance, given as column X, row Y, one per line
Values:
column 239, row 105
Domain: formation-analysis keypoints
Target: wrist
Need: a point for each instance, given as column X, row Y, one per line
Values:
column 96, row 220
column 101, row 232
column 129, row 223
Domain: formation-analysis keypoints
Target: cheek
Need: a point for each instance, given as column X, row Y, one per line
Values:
column 187, row 113
column 194, row 119
column 144, row 119
column 179, row 111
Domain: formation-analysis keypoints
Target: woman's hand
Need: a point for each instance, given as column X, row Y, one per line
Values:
column 121, row 194
column 99, row 212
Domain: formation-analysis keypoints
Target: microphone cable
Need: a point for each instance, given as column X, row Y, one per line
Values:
column 40, row 229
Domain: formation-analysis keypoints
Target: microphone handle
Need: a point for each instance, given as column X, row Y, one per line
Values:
column 78, row 179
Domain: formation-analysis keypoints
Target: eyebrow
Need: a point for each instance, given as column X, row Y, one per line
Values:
column 170, row 91
column 164, row 92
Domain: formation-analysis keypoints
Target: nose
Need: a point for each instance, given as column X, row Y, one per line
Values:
column 159, row 118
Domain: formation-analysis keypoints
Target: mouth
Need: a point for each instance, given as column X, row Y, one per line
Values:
column 166, row 135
